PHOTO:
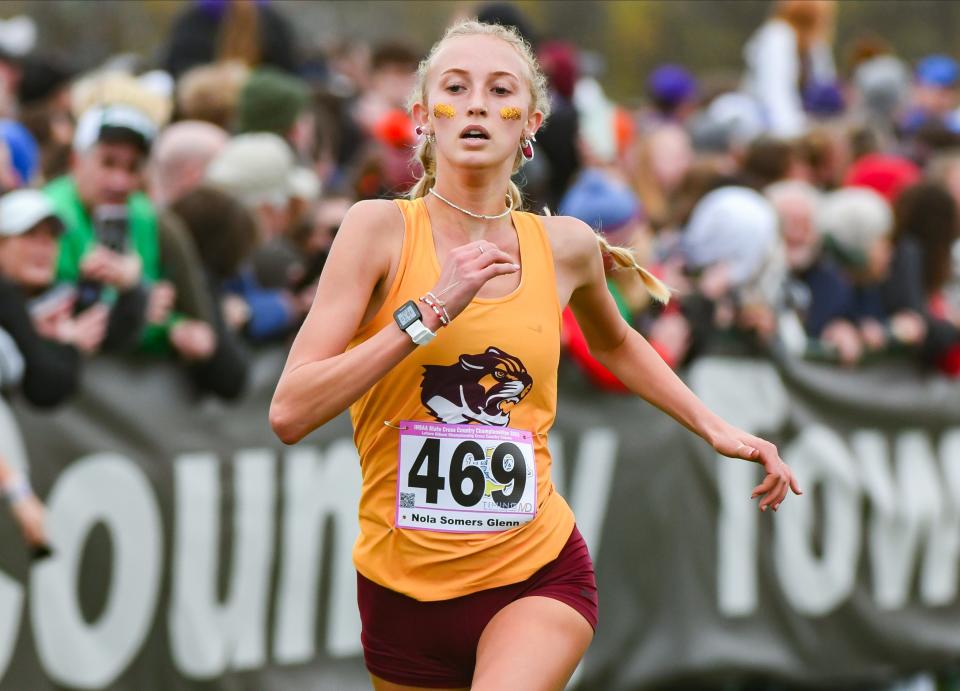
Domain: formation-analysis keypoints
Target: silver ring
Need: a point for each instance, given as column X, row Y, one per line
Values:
column 480, row 247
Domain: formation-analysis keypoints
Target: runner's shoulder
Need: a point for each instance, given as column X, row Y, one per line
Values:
column 571, row 240
column 372, row 218
column 372, row 229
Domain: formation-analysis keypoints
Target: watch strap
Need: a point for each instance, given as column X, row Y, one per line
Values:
column 419, row 333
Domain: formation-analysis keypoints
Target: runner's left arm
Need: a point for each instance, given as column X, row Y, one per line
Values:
column 634, row 361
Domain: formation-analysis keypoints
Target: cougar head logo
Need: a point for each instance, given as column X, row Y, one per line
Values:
column 481, row 388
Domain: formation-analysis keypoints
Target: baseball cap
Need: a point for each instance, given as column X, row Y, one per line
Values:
column 21, row 210
column 100, row 120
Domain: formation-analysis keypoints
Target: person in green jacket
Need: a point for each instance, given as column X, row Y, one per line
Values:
column 111, row 248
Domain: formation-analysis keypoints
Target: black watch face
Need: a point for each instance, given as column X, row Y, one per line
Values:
column 406, row 315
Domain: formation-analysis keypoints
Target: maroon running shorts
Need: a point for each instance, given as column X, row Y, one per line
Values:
column 434, row 644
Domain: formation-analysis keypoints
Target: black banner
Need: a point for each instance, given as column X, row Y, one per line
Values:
column 193, row 551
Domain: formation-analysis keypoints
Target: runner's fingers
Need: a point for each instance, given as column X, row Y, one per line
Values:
column 498, row 269
column 794, row 485
column 780, row 494
column 765, row 486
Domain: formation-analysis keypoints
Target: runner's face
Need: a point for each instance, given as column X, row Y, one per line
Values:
column 477, row 77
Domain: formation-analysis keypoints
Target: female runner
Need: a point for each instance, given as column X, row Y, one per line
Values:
column 437, row 321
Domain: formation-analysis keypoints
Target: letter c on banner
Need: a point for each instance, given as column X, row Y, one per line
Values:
column 102, row 488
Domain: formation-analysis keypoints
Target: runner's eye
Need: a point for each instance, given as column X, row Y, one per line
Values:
column 455, row 88
column 501, row 91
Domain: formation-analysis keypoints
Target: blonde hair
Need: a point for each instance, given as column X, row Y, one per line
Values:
column 210, row 92
column 539, row 98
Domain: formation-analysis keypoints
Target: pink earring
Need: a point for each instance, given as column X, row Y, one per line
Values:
column 526, row 148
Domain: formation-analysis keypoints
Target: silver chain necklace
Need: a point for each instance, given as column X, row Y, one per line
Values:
column 482, row 217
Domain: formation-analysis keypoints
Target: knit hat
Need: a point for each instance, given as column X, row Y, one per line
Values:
column 735, row 226
column 853, row 219
column 938, row 70
column 731, row 120
column 671, row 85
column 271, row 101
column 884, row 173
column 259, row 167
column 604, row 204
column 883, row 83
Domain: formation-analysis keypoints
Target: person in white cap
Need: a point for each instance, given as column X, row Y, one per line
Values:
column 45, row 329
column 259, row 170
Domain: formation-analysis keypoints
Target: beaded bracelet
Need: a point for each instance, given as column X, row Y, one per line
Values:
column 441, row 304
column 436, row 310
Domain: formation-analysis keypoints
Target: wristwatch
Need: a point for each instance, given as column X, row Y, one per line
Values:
column 409, row 319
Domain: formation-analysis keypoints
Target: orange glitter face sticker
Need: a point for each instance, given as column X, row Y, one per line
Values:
column 443, row 110
column 510, row 113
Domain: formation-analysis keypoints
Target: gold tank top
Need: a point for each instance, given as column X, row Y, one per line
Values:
column 491, row 372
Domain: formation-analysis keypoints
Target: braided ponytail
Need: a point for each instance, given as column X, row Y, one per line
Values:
column 625, row 259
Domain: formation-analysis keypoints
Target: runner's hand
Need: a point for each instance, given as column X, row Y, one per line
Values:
column 466, row 270
column 735, row 443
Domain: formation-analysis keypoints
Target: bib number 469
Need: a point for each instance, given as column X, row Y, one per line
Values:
column 468, row 483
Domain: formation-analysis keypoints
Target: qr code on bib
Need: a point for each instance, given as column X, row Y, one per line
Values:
column 407, row 500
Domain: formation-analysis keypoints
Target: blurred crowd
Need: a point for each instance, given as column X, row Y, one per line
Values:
column 180, row 207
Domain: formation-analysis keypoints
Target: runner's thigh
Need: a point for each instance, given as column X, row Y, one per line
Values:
column 532, row 644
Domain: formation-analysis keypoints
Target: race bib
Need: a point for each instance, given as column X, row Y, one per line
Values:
column 465, row 478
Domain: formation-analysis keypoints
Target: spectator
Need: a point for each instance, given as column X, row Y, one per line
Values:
column 769, row 160
column 858, row 225
column 382, row 165
column 658, row 163
column 673, row 92
column 272, row 101
column 734, row 256
column 934, row 93
column 23, row 154
column 111, row 145
column 259, row 171
column 557, row 142
column 180, row 156
column 886, row 174
column 222, row 30
column 925, row 231
column 225, row 235
column 210, row 93
column 787, row 56
column 817, row 291
column 48, row 334
column 611, row 208
column 44, row 95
